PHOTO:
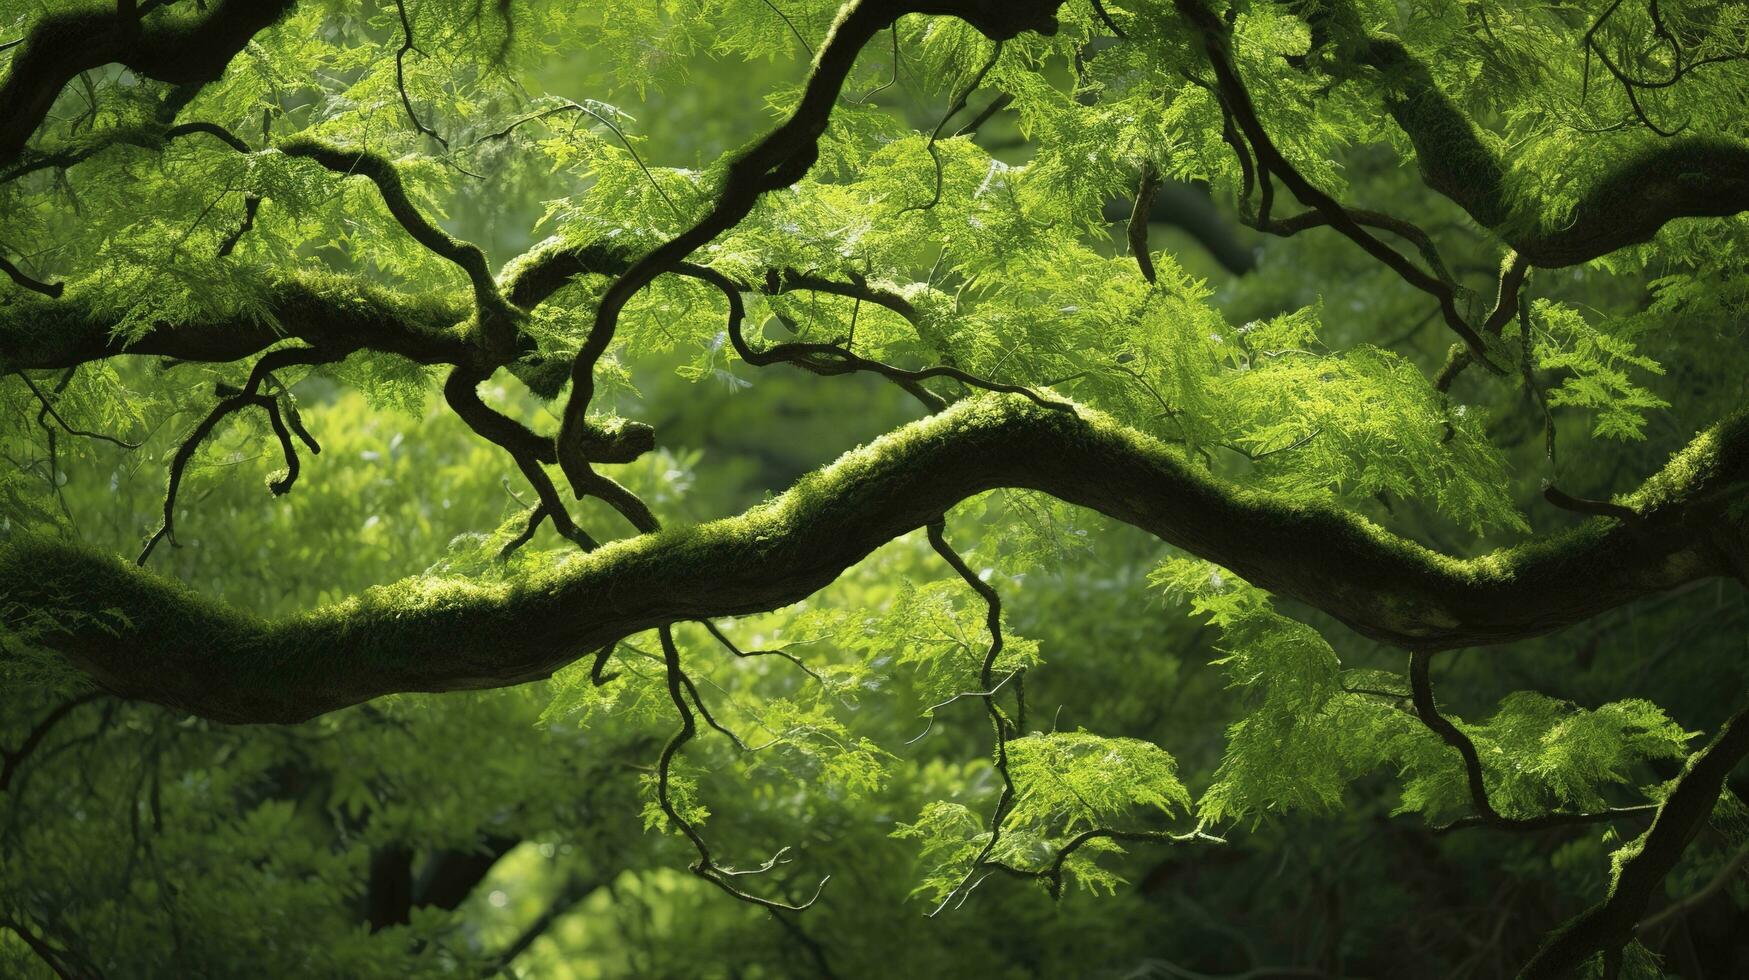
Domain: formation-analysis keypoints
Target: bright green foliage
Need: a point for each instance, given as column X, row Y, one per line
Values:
column 1066, row 784
column 1303, row 737
column 1601, row 364
column 1298, row 367
column 1540, row 754
column 1081, row 781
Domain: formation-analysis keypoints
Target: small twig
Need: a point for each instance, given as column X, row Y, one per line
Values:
column 401, row 78
column 730, row 646
column 999, row 722
column 49, row 407
column 570, row 106
column 10, row 758
column 959, row 104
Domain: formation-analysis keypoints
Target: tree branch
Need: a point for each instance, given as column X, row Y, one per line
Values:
column 434, row 635
column 179, row 50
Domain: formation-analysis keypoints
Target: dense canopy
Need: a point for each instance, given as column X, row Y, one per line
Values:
column 1172, row 488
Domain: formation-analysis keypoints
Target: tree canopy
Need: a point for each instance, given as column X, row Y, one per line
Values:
column 1171, row 488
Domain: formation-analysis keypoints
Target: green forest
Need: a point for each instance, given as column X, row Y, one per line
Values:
column 1179, row 489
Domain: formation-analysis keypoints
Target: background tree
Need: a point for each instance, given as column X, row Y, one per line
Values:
column 1400, row 347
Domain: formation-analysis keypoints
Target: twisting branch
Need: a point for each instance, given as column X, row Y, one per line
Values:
column 959, row 104
column 401, row 76
column 221, row 663
column 835, row 359
column 1052, row 874
column 498, row 319
column 1421, row 694
column 779, row 159
column 1006, row 728
column 705, row 867
column 149, row 137
column 1631, row 84
column 1690, row 176
column 1234, row 96
column 1003, row 727
column 527, row 448
column 230, row 402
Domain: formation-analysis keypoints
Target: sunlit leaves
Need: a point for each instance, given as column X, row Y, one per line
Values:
column 1072, row 781
column 1302, row 736
column 1599, row 371
column 1540, row 754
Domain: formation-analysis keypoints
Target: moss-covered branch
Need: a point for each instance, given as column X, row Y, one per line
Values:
column 1666, row 179
column 171, row 45
column 156, row 641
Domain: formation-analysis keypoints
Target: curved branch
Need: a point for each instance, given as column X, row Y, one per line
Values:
column 229, row 404
column 442, row 634
column 495, row 312
column 1690, row 177
column 1421, row 694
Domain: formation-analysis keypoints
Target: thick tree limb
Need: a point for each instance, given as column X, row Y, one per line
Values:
column 333, row 312
column 170, row 47
column 177, row 649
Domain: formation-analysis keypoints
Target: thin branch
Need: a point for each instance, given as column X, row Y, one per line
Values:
column 401, row 77
column 1236, row 99
column 959, row 104
column 730, row 646
column 52, row 290
column 1000, row 724
column 1726, row 874
column 705, row 867
column 231, row 403
column 570, row 106
column 834, row 359
column 1421, row 694
column 49, row 407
